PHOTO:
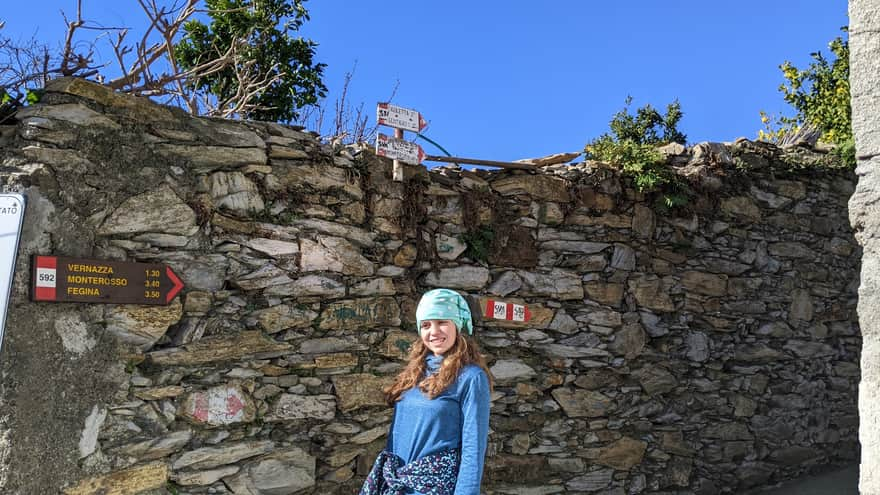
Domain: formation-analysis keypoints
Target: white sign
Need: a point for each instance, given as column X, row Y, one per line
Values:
column 46, row 277
column 399, row 117
column 11, row 216
column 501, row 310
column 399, row 149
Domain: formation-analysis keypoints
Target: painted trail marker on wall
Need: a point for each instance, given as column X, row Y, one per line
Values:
column 501, row 310
column 219, row 406
column 64, row 279
column 396, row 148
column 11, row 219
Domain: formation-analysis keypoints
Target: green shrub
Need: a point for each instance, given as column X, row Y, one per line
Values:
column 820, row 97
column 648, row 126
column 632, row 145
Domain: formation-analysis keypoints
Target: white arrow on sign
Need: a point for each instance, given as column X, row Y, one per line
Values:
column 399, row 117
column 399, row 149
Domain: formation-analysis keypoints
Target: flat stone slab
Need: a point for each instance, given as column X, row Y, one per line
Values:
column 294, row 406
column 288, row 471
column 210, row 158
column 211, row 457
column 160, row 210
column 245, row 344
column 125, row 482
column 582, row 403
column 361, row 313
column 360, row 390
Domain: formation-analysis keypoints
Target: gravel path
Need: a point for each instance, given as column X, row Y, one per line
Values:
column 840, row 482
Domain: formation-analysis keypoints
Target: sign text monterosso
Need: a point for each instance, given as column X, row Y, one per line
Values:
column 91, row 280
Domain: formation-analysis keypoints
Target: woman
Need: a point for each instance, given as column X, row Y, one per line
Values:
column 437, row 441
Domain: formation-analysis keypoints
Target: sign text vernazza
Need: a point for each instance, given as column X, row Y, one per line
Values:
column 64, row 279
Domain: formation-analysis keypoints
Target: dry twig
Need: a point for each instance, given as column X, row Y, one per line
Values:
column 146, row 67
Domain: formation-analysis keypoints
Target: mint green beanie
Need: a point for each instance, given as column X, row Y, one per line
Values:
column 445, row 304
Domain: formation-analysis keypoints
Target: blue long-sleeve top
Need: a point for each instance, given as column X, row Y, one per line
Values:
column 458, row 418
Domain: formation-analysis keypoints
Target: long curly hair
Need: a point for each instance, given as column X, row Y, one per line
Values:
column 463, row 352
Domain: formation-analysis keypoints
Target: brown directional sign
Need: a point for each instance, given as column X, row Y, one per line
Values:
column 63, row 279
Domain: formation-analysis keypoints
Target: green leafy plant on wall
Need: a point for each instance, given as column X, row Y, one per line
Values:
column 632, row 145
column 820, row 96
column 479, row 243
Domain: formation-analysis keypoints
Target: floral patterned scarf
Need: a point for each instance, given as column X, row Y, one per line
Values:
column 433, row 474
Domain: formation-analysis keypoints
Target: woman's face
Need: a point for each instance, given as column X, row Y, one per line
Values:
column 438, row 335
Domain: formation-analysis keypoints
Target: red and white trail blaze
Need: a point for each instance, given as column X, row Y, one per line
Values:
column 501, row 310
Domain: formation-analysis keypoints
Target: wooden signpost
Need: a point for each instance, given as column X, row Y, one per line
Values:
column 11, row 218
column 400, row 150
column 64, row 279
column 397, row 148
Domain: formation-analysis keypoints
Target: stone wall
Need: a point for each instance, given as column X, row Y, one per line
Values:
column 705, row 351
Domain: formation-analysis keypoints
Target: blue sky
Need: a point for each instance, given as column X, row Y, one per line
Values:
column 503, row 80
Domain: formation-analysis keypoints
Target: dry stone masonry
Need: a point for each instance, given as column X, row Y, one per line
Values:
column 708, row 350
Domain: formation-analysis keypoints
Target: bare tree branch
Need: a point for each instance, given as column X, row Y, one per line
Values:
column 350, row 125
column 146, row 66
